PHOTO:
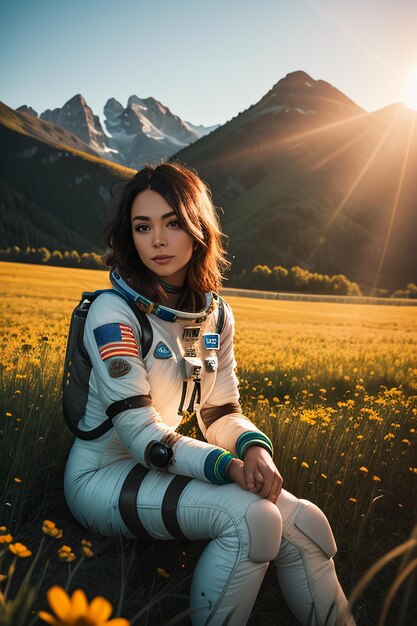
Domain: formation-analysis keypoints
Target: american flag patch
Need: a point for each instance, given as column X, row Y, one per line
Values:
column 115, row 340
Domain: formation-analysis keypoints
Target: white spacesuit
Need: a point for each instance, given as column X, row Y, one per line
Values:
column 112, row 487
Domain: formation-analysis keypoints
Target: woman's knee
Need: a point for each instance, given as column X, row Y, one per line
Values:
column 265, row 529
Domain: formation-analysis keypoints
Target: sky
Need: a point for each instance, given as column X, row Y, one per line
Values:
column 206, row 61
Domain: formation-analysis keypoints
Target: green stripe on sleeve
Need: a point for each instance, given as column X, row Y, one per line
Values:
column 252, row 438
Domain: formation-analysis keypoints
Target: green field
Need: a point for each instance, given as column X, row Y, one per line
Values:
column 334, row 385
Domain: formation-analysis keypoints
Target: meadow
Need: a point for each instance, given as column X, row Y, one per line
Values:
column 335, row 387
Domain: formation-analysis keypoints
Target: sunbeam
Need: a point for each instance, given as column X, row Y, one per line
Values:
column 395, row 205
column 354, row 185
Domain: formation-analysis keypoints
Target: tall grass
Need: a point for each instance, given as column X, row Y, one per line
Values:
column 335, row 387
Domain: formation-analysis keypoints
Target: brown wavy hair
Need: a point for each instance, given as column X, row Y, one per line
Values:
column 191, row 200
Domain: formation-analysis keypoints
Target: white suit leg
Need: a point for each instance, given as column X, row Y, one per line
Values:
column 305, row 567
column 245, row 530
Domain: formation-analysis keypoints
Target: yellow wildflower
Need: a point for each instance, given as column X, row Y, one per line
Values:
column 389, row 436
column 338, row 482
column 359, row 436
column 287, row 397
column 305, row 465
column 3, row 528
column 51, row 530
column 352, row 500
column 6, row 538
column 162, row 572
column 407, row 441
column 87, row 545
column 19, row 550
column 323, row 475
column 75, row 610
column 2, row 577
column 275, row 399
column 413, row 470
column 8, row 414
column 376, row 479
column 363, row 469
column 65, row 554
column 17, row 480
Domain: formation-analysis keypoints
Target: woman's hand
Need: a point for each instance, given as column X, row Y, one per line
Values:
column 235, row 472
column 261, row 475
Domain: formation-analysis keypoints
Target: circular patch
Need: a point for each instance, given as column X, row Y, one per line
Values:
column 119, row 367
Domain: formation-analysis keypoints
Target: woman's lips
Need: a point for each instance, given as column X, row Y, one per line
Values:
column 162, row 260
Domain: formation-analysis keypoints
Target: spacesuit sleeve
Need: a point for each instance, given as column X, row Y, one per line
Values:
column 112, row 340
column 221, row 415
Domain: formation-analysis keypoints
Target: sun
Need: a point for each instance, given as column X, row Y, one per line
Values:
column 410, row 90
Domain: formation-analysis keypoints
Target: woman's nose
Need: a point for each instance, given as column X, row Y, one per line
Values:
column 158, row 240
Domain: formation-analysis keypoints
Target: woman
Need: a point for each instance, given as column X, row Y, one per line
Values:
column 142, row 478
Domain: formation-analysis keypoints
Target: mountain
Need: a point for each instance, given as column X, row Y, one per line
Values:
column 77, row 117
column 305, row 176
column 54, row 191
column 144, row 131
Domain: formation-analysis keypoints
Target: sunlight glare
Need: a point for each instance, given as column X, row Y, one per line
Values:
column 410, row 90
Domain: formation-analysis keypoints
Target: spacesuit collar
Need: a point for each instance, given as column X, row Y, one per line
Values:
column 161, row 311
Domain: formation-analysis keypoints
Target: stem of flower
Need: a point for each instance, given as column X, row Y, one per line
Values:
column 71, row 574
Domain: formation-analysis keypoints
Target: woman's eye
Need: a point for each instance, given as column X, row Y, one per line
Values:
column 141, row 228
column 174, row 223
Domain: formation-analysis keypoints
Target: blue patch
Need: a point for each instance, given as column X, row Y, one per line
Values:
column 211, row 341
column 162, row 351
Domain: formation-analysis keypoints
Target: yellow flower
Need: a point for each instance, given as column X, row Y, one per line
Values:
column 352, row 499
column 305, row 465
column 17, row 480
column 363, row 469
column 162, row 572
column 19, row 550
column 3, row 528
column 88, row 552
column 389, row 436
column 376, row 479
column 359, row 436
column 407, row 441
column 6, row 538
column 74, row 610
column 338, row 482
column 8, row 414
column 323, row 475
column 65, row 554
column 51, row 530
column 87, row 545
column 413, row 470
column 2, row 577
column 287, row 397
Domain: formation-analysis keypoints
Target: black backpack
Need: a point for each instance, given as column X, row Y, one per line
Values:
column 77, row 364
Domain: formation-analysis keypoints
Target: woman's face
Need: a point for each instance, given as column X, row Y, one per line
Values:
column 163, row 246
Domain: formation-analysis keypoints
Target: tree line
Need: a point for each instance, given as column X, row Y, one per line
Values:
column 42, row 256
column 301, row 280
column 262, row 277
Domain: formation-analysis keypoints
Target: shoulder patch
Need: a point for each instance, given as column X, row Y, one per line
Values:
column 115, row 340
column 162, row 351
column 119, row 367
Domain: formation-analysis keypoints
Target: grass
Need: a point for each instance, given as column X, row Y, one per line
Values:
column 334, row 385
